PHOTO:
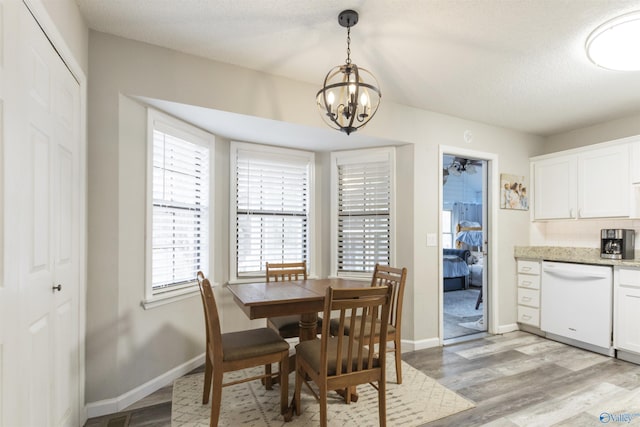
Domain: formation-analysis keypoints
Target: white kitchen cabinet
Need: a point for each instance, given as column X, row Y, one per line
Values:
column 554, row 187
column 587, row 183
column 529, row 292
column 626, row 311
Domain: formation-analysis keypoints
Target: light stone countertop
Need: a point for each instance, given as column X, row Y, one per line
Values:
column 568, row 254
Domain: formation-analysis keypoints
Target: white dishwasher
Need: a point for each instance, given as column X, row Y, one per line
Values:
column 576, row 305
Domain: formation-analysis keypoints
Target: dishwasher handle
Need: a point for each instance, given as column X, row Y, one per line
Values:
column 573, row 275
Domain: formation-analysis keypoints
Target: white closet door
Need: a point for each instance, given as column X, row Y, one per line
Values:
column 42, row 231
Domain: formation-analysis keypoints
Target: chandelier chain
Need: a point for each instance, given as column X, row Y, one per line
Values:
column 348, row 45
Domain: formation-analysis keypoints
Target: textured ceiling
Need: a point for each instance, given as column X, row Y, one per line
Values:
column 514, row 63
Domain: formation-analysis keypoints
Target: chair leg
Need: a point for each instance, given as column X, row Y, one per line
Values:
column 398, row 356
column 284, row 383
column 216, row 398
column 208, row 370
column 323, row 406
column 479, row 300
column 297, row 390
column 268, row 381
column 382, row 403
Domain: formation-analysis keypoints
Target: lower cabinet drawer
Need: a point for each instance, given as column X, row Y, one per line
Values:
column 529, row 297
column 529, row 316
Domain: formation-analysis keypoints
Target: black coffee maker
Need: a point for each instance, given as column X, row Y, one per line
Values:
column 617, row 243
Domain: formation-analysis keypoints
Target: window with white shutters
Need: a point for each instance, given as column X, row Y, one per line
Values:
column 272, row 191
column 363, row 210
column 180, row 194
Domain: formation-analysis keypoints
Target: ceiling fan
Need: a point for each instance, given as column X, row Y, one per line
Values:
column 458, row 166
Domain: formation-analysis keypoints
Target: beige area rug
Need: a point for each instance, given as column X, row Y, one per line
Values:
column 418, row 400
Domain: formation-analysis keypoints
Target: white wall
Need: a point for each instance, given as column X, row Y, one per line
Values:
column 140, row 345
column 71, row 25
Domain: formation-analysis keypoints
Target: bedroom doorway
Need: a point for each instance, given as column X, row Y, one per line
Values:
column 464, row 231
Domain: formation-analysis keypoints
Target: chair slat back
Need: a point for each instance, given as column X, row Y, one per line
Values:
column 280, row 272
column 370, row 303
column 200, row 277
column 214, row 335
column 384, row 275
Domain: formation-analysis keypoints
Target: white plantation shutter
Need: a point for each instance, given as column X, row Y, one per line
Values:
column 180, row 217
column 272, row 207
column 364, row 201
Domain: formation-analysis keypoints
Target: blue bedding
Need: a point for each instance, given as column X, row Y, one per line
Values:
column 454, row 262
column 471, row 238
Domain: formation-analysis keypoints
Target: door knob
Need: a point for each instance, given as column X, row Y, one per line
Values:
column 57, row 288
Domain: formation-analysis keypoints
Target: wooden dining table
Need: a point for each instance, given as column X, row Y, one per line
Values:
column 304, row 297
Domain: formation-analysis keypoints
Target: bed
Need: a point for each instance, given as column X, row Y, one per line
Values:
column 470, row 234
column 455, row 269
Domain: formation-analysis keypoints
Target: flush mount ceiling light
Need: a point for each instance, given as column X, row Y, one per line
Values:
column 349, row 97
column 615, row 45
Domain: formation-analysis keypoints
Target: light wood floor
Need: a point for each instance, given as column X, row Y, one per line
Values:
column 516, row 379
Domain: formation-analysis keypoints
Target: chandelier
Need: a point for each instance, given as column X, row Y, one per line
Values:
column 349, row 97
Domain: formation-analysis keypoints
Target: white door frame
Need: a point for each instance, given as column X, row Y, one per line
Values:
column 492, row 197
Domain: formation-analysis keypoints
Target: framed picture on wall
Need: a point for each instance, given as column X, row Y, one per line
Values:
column 513, row 192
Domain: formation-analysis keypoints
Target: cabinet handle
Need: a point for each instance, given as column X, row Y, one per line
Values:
column 526, row 299
column 526, row 268
column 526, row 317
column 526, row 282
column 632, row 296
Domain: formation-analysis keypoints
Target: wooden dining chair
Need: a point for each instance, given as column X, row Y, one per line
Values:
column 287, row 326
column 342, row 361
column 238, row 350
column 385, row 275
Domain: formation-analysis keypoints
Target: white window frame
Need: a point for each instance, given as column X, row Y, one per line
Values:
column 359, row 157
column 448, row 233
column 233, row 211
column 187, row 132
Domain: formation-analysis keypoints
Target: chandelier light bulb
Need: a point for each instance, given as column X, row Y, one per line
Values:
column 364, row 99
column 330, row 98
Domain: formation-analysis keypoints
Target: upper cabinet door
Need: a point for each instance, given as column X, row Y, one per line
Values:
column 554, row 189
column 604, row 183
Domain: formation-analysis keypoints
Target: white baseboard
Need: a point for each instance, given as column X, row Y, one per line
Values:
column 408, row 346
column 503, row 329
column 117, row 404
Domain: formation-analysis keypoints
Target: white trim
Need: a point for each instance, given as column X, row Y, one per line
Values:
column 169, row 297
column 117, row 404
column 493, row 202
column 408, row 346
column 311, row 229
column 360, row 156
column 504, row 329
column 188, row 132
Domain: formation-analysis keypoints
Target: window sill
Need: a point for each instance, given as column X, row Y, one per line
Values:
column 170, row 297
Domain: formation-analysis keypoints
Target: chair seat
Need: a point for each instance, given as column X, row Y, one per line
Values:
column 310, row 351
column 334, row 324
column 252, row 343
column 289, row 326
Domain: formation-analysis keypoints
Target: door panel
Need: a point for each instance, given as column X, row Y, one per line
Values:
column 42, row 229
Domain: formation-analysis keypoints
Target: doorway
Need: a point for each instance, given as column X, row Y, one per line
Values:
column 464, row 245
